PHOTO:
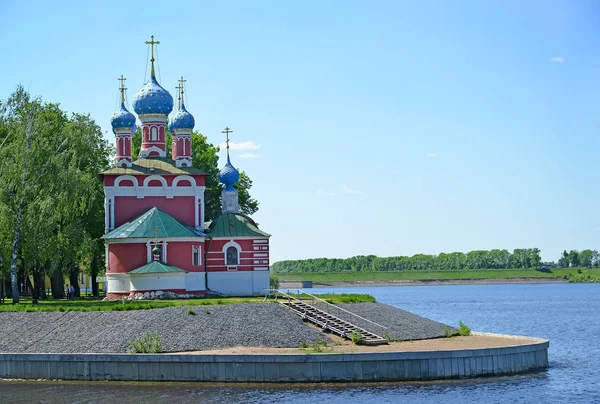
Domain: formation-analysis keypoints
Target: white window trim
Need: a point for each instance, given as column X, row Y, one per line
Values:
column 149, row 247
column 199, row 248
column 237, row 247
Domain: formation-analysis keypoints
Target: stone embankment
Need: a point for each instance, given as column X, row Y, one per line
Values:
column 212, row 327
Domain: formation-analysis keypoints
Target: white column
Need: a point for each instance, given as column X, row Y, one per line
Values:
column 112, row 213
column 106, row 224
column 148, row 252
column 196, row 205
column 164, row 252
column 106, row 256
column 202, row 213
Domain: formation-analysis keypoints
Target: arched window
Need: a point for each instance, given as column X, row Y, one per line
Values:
column 232, row 256
column 154, row 133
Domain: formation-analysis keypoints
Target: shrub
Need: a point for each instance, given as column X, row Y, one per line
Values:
column 303, row 344
column 357, row 337
column 274, row 282
column 318, row 345
column 447, row 332
column 147, row 344
column 463, row 329
column 191, row 312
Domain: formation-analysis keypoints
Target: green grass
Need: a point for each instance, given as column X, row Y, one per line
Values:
column 26, row 305
column 350, row 276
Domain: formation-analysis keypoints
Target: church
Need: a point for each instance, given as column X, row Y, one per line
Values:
column 155, row 235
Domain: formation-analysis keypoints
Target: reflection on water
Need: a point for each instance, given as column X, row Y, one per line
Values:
column 564, row 313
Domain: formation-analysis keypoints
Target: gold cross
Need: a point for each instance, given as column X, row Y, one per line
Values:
column 181, row 85
column 122, row 88
column 227, row 131
column 156, row 231
column 152, row 42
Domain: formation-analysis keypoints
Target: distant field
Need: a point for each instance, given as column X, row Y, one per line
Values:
column 436, row 275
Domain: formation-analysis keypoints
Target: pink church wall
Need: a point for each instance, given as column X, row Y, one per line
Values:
column 126, row 257
column 179, row 254
column 129, row 207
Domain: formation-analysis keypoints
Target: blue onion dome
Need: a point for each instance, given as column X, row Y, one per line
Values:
column 182, row 120
column 229, row 175
column 170, row 126
column 123, row 119
column 153, row 99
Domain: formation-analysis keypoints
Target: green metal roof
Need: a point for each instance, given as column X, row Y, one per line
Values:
column 154, row 165
column 235, row 225
column 156, row 267
column 145, row 226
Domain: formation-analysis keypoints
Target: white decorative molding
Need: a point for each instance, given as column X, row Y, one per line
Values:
column 160, row 178
column 125, row 161
column 179, row 178
column 237, row 238
column 181, row 160
column 121, row 178
column 149, row 246
column 199, row 248
column 198, row 239
column 146, row 152
column 169, row 192
column 232, row 244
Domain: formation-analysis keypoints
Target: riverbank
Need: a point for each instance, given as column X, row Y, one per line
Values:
column 441, row 277
column 427, row 282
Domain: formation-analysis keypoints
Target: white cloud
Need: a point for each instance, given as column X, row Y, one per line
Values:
column 351, row 191
column 430, row 154
column 249, row 145
column 249, row 156
column 557, row 59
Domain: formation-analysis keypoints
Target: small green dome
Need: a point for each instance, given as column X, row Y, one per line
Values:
column 156, row 250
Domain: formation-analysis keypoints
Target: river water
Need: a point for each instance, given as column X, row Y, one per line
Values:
column 566, row 314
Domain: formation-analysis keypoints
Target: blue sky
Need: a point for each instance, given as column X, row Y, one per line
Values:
column 387, row 128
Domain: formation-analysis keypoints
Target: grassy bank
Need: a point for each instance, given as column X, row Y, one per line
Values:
column 98, row 305
column 573, row 274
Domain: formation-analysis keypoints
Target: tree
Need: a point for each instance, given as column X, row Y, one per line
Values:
column 585, row 258
column 32, row 142
column 205, row 157
column 50, row 193
column 563, row 261
column 573, row 258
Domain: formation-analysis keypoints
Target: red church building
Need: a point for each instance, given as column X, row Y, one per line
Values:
column 156, row 238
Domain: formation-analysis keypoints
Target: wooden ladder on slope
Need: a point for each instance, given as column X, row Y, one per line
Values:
column 329, row 322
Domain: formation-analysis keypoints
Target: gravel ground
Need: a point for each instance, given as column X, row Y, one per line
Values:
column 248, row 325
column 402, row 325
column 267, row 325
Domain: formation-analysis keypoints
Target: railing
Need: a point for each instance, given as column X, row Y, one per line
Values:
column 357, row 320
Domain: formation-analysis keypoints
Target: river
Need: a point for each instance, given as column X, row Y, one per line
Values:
column 566, row 314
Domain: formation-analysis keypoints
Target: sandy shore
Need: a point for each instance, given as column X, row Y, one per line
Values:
column 475, row 341
column 431, row 282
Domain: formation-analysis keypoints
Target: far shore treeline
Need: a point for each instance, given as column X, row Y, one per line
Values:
column 522, row 258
